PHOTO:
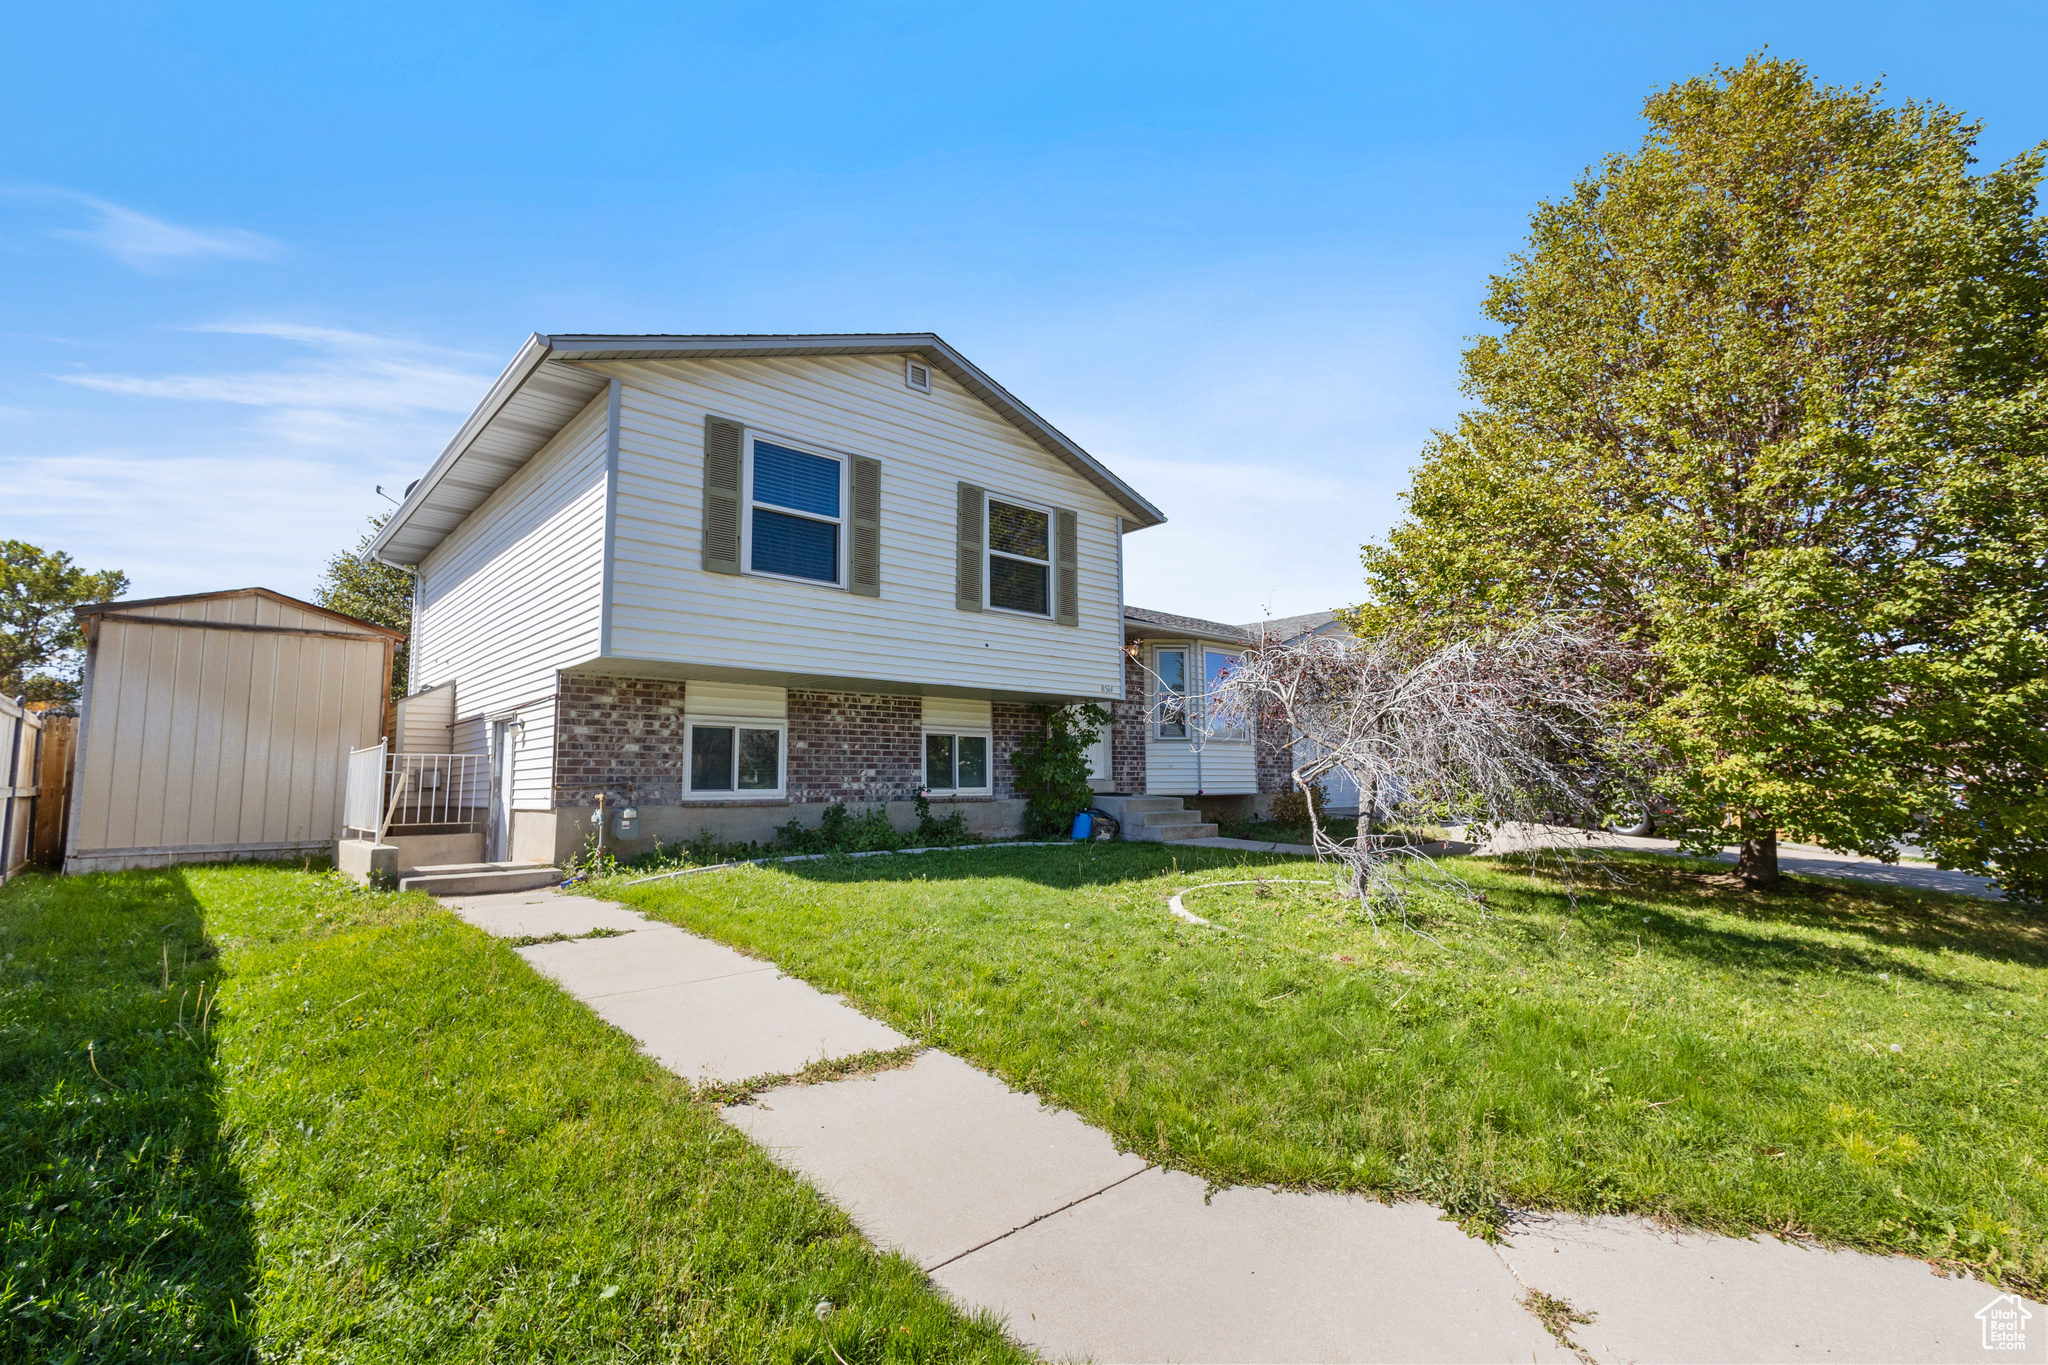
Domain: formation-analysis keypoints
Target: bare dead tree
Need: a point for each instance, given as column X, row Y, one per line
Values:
column 1517, row 729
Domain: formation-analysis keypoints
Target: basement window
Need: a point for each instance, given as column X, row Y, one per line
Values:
column 956, row 763
column 735, row 758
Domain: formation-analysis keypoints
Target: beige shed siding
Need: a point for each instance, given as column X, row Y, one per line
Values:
column 219, row 740
column 666, row 608
column 517, row 592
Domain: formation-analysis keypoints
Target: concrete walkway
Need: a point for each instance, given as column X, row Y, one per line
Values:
column 1807, row 859
column 1090, row 1253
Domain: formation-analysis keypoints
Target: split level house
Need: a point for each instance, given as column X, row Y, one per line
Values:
column 727, row 581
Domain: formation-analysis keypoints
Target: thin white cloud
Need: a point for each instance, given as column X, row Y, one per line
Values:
column 143, row 242
column 188, row 523
column 326, row 401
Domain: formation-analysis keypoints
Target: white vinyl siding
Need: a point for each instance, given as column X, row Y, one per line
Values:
column 1216, row 766
column 515, row 594
column 425, row 719
column 667, row 609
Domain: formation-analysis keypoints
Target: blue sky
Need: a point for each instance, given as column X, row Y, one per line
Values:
column 259, row 259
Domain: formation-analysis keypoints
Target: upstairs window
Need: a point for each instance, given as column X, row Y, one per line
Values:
column 1019, row 558
column 795, row 521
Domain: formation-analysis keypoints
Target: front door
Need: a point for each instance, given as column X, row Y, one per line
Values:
column 498, row 836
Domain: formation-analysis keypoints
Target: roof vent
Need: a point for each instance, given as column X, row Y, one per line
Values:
column 917, row 375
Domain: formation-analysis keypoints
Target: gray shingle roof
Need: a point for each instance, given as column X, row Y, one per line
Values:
column 1282, row 628
column 1192, row 625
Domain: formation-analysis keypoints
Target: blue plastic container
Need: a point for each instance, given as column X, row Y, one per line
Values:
column 1084, row 825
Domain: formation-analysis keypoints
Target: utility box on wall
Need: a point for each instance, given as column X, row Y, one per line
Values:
column 217, row 726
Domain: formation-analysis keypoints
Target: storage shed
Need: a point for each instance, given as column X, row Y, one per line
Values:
column 217, row 726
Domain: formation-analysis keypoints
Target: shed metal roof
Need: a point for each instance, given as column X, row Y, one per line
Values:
column 122, row 604
column 545, row 385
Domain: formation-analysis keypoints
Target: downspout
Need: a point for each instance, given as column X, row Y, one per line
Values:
column 611, row 511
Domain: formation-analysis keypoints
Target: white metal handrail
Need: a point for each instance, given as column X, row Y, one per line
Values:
column 386, row 789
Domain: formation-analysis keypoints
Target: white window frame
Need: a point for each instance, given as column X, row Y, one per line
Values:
column 1195, row 701
column 843, row 521
column 1235, row 733
column 736, row 724
column 989, row 553
column 985, row 735
column 1156, row 712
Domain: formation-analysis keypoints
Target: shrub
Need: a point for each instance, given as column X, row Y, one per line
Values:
column 1291, row 808
column 944, row 833
column 1054, row 775
column 841, row 831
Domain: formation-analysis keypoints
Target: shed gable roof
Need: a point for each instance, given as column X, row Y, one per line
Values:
column 128, row 604
column 546, row 385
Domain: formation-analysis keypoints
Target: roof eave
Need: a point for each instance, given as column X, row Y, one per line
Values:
column 928, row 344
column 515, row 374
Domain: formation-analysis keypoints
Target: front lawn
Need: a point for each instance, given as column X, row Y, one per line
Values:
column 1854, row 1063
column 385, row 1138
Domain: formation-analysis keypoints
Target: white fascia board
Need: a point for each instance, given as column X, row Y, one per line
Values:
column 515, row 374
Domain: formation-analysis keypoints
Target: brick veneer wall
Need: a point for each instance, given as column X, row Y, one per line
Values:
column 1274, row 746
column 843, row 746
column 1127, row 731
column 611, row 732
column 1015, row 726
column 852, row 746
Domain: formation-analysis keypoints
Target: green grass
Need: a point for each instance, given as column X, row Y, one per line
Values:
column 388, row 1140
column 1856, row 1064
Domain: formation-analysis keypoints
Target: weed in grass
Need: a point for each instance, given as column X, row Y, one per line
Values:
column 1663, row 1045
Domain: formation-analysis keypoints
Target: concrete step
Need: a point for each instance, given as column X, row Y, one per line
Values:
column 1156, row 819
column 1138, row 805
column 449, row 869
column 1175, row 833
column 479, row 879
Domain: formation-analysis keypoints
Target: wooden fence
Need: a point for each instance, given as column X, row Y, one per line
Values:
column 35, row 786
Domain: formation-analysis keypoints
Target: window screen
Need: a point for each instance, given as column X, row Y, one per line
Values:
column 1019, row 558
column 796, row 513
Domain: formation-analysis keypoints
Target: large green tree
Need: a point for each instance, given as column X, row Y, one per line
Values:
column 40, row 642
column 1770, row 392
column 358, row 586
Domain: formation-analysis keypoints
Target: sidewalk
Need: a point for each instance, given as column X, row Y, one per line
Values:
column 1091, row 1253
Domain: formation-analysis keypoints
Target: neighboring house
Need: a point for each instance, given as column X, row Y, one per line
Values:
column 729, row 580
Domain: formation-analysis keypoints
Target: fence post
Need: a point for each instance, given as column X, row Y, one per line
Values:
column 13, row 848
column 53, row 789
